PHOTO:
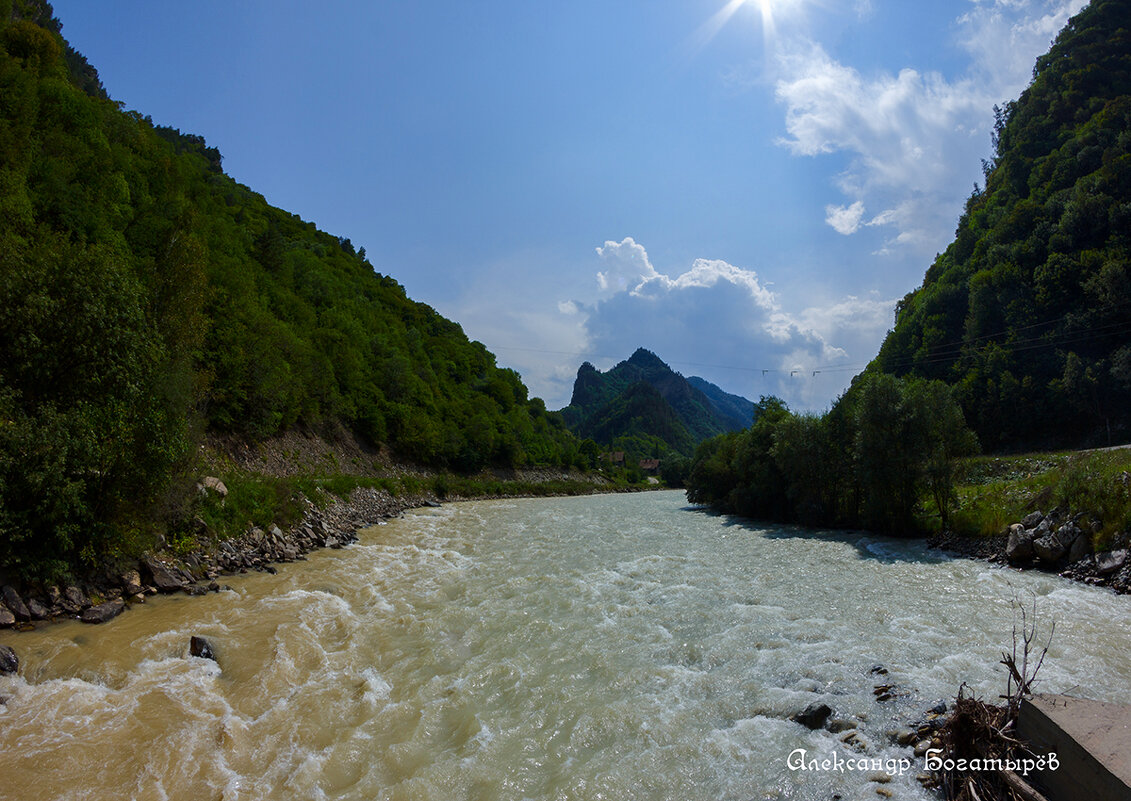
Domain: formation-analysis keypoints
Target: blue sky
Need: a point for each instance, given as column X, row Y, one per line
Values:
column 745, row 188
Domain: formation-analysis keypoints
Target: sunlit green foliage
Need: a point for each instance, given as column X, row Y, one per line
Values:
column 1028, row 312
column 146, row 297
column 884, row 453
column 994, row 492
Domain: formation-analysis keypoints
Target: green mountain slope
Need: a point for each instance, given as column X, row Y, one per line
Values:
column 643, row 399
column 146, row 297
column 735, row 409
column 1028, row 312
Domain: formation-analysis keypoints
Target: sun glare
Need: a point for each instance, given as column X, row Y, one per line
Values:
column 767, row 9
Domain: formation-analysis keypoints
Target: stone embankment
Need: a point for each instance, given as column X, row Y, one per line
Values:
column 1056, row 542
column 196, row 573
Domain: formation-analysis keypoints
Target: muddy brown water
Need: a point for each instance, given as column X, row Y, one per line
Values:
column 609, row 647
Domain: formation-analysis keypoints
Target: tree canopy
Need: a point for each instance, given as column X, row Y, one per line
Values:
column 146, row 298
column 1028, row 312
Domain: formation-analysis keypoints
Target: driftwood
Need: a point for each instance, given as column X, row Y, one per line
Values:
column 984, row 732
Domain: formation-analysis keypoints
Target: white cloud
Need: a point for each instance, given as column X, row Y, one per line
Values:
column 627, row 263
column 721, row 322
column 845, row 219
column 915, row 139
column 1004, row 37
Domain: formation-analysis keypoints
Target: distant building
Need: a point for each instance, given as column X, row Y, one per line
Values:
column 616, row 457
column 650, row 465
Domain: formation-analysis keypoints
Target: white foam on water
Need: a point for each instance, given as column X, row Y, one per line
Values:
column 584, row 648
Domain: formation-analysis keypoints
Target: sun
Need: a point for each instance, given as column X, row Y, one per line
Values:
column 767, row 9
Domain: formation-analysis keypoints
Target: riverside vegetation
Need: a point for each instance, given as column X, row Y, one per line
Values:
column 148, row 301
column 1016, row 341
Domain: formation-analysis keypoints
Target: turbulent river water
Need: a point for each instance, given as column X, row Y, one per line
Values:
column 609, row 647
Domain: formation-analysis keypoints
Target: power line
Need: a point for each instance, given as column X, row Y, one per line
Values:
column 947, row 351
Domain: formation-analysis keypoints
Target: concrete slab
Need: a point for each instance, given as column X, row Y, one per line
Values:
column 1092, row 741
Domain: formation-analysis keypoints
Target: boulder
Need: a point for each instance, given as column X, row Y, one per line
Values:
column 104, row 611
column 1019, row 548
column 165, row 578
column 7, row 619
column 75, row 600
column 38, row 611
column 9, row 662
column 213, row 484
column 1080, row 549
column 1110, row 561
column 1052, row 547
column 198, row 646
column 814, row 715
column 131, row 582
column 1032, row 520
column 15, row 603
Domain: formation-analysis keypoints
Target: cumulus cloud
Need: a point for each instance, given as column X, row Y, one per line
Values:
column 1004, row 37
column 627, row 266
column 914, row 139
column 723, row 322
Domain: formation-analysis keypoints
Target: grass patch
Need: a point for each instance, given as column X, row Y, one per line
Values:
column 996, row 491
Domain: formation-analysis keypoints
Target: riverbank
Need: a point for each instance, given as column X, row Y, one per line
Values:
column 1053, row 543
column 334, row 523
column 269, row 503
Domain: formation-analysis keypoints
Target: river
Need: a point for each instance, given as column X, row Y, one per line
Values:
column 607, row 647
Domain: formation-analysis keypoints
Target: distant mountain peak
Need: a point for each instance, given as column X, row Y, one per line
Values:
column 646, row 359
column 643, row 399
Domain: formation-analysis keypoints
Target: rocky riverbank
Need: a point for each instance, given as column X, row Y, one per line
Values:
column 1056, row 542
column 198, row 572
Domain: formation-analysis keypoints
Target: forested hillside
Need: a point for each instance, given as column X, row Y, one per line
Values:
column 1021, row 328
column 644, row 407
column 146, row 297
column 1028, row 312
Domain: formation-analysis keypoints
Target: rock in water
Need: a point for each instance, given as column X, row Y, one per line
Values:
column 9, row 663
column 7, row 619
column 814, row 715
column 14, row 602
column 198, row 646
column 103, row 612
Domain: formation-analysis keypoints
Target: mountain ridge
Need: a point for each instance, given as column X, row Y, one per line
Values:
column 675, row 414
